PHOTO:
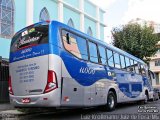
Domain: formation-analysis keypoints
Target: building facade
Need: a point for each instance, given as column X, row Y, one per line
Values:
column 80, row 14
column 154, row 65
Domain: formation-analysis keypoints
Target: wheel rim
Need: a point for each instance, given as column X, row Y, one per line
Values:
column 111, row 102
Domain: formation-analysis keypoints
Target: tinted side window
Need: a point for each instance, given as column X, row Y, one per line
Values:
column 127, row 63
column 116, row 60
column 136, row 67
column 30, row 36
column 110, row 58
column 77, row 45
column 132, row 66
column 93, row 52
column 123, row 64
column 102, row 53
column 157, row 63
column 143, row 72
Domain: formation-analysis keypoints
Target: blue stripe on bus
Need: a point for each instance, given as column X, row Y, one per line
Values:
column 75, row 66
column 85, row 73
column 31, row 52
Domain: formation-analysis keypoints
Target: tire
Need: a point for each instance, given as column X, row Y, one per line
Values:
column 111, row 101
column 146, row 98
column 142, row 102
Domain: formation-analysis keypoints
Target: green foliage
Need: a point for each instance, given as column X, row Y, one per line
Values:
column 136, row 39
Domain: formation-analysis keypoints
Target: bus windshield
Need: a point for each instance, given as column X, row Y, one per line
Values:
column 30, row 36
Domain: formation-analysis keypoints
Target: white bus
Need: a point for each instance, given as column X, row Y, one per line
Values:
column 54, row 65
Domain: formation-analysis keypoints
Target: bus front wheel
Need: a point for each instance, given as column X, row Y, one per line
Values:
column 146, row 97
column 111, row 101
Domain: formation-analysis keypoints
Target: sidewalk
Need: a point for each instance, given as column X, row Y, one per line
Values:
column 6, row 106
column 7, row 111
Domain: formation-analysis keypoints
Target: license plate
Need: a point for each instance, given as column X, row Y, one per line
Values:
column 26, row 100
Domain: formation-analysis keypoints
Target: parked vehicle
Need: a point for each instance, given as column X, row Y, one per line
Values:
column 157, row 87
column 54, row 65
column 156, row 93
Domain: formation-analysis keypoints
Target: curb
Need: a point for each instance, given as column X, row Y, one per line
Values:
column 11, row 114
column 15, row 114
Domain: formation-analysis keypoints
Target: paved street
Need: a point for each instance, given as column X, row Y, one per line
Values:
column 123, row 112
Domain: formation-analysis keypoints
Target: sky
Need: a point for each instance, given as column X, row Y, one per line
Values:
column 119, row 12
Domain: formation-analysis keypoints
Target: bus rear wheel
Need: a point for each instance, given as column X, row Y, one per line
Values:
column 111, row 101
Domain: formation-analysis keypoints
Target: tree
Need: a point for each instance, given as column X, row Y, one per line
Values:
column 136, row 39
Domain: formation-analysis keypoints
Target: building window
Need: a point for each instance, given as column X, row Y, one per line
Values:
column 157, row 78
column 89, row 31
column 157, row 63
column 44, row 15
column 158, row 51
column 70, row 23
column 6, row 18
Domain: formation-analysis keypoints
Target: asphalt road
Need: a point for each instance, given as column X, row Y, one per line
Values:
column 129, row 111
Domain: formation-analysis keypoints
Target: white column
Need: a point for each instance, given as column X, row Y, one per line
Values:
column 60, row 10
column 81, row 3
column 29, row 12
column 97, row 23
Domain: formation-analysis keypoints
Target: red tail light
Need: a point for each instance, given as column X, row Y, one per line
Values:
column 10, row 86
column 48, row 21
column 51, row 82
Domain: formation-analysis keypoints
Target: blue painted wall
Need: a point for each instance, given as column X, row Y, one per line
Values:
column 101, row 13
column 101, row 32
column 74, row 3
column 89, row 8
column 51, row 6
column 89, row 23
column 71, row 14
